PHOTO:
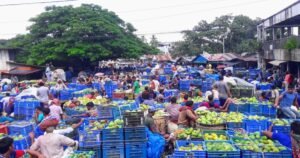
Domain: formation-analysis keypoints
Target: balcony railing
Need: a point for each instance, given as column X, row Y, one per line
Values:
column 278, row 44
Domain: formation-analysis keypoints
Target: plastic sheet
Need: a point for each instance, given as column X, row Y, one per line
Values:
column 155, row 144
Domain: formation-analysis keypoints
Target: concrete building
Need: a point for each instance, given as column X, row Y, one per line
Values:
column 7, row 55
column 275, row 33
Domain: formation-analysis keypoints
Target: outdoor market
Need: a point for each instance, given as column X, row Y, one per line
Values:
column 156, row 109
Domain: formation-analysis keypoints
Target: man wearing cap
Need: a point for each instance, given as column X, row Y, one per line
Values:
column 51, row 145
column 56, row 110
column 202, row 72
column 149, row 121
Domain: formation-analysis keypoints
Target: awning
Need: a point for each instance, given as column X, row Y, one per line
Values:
column 228, row 63
column 276, row 62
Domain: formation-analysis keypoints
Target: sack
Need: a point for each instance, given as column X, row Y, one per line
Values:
column 155, row 144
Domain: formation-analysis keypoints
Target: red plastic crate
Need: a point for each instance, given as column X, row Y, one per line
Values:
column 3, row 129
column 118, row 95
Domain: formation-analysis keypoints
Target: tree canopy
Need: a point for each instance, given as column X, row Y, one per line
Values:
column 87, row 33
column 238, row 33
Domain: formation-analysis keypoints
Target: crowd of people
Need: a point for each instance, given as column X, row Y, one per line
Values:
column 49, row 141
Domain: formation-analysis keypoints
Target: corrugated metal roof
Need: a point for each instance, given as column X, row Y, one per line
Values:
column 221, row 57
column 22, row 70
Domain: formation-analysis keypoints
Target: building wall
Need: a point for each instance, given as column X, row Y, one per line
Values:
column 4, row 57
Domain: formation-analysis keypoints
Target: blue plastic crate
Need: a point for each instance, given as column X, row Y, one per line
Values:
column 145, row 82
column 97, row 86
column 105, row 112
column 171, row 93
column 256, row 109
column 22, row 144
column 135, row 133
column 87, row 122
column 72, row 111
column 136, row 149
column 280, row 129
column 251, row 154
column 20, row 127
column 196, row 82
column 223, row 154
column 168, row 70
column 66, row 94
column 242, row 108
column 162, row 79
column 233, row 125
column 77, row 95
column 269, row 111
column 97, row 150
column 184, row 154
column 92, row 156
column 80, row 87
column 89, row 138
column 112, row 134
column 72, row 85
column 254, row 126
column 282, row 154
column 113, row 150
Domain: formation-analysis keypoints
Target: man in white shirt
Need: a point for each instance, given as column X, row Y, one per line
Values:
column 5, row 101
column 51, row 145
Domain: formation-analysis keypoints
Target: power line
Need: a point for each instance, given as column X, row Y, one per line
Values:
column 171, row 6
column 160, row 33
column 32, row 3
column 197, row 11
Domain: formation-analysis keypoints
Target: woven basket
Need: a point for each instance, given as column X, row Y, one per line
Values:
column 211, row 127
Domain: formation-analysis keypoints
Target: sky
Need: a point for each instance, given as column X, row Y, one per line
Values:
column 162, row 18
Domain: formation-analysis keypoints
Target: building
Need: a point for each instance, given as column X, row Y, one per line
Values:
column 8, row 66
column 5, row 56
column 279, row 35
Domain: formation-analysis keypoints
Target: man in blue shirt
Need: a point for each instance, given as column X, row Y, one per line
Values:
column 285, row 102
column 291, row 140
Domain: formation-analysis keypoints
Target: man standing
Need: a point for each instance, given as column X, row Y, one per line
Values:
column 285, row 102
column 43, row 93
column 223, row 89
column 51, row 145
column 48, row 73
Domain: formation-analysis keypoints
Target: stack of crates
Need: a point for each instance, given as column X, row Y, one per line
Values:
column 133, row 119
column 255, row 125
column 110, row 87
column 97, row 86
column 21, row 142
column 20, row 128
column 163, row 79
column 66, row 94
column 90, row 140
column 168, row 70
column 192, row 153
column 135, row 142
column 113, row 143
column 24, row 109
column 184, row 85
column 170, row 93
column 80, row 87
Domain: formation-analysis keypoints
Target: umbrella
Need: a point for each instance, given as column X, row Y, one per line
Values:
column 221, row 66
column 99, row 74
column 8, row 81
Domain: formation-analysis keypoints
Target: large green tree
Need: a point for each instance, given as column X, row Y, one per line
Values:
column 85, row 34
column 237, row 32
